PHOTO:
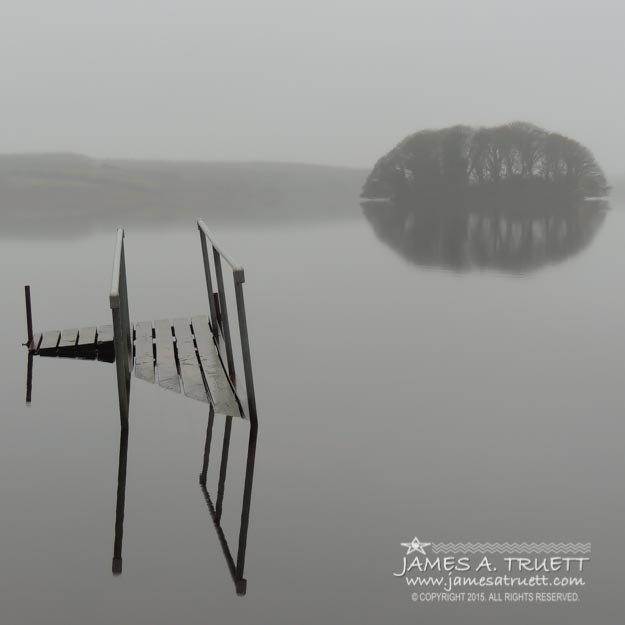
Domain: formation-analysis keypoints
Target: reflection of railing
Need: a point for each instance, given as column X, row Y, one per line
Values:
column 122, row 330
column 237, row 568
column 121, row 501
column 219, row 322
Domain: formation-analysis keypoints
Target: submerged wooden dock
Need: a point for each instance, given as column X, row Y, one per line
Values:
column 189, row 355
column 90, row 343
column 178, row 355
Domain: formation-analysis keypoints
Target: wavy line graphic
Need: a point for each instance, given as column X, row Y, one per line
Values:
column 552, row 548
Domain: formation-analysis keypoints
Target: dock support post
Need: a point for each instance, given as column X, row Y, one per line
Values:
column 29, row 314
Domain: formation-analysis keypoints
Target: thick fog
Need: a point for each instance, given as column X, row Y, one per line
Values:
column 330, row 81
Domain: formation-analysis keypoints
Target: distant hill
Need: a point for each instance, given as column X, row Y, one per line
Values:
column 43, row 192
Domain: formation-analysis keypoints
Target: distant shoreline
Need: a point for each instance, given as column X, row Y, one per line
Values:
column 55, row 192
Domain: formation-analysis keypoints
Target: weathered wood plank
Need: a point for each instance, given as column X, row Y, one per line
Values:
column 165, row 359
column 190, row 372
column 144, row 353
column 68, row 339
column 86, row 338
column 221, row 395
column 104, row 344
column 34, row 344
column 50, row 341
column 105, row 335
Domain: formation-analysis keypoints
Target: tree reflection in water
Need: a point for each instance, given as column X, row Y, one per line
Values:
column 514, row 234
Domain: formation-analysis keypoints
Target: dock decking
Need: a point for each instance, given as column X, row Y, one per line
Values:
column 180, row 356
column 89, row 342
column 191, row 355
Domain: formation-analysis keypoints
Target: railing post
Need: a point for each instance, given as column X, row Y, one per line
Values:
column 121, row 328
column 29, row 315
column 224, row 312
column 125, row 315
column 209, row 283
column 123, row 377
column 239, row 279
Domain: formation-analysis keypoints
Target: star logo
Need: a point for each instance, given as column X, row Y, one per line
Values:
column 415, row 545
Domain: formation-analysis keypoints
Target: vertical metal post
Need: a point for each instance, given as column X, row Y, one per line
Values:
column 223, row 467
column 224, row 312
column 209, row 283
column 121, row 328
column 239, row 279
column 121, row 502
column 207, row 444
column 125, row 315
column 245, row 509
column 29, row 315
column 29, row 377
column 123, row 376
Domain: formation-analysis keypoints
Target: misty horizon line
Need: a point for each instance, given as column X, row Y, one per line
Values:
column 206, row 161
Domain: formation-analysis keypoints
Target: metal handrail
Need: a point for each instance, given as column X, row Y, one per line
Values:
column 238, row 271
column 221, row 327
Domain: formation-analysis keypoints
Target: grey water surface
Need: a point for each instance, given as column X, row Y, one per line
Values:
column 395, row 399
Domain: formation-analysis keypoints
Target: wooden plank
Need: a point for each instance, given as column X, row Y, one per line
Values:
column 104, row 344
column 221, row 394
column 105, row 335
column 190, row 372
column 68, row 339
column 144, row 353
column 34, row 344
column 49, row 341
column 86, row 337
column 165, row 359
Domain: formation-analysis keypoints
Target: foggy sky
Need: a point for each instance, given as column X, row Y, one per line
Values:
column 329, row 81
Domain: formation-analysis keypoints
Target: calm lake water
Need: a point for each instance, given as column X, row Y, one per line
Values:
column 394, row 400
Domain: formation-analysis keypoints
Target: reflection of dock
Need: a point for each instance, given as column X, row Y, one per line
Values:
column 192, row 355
